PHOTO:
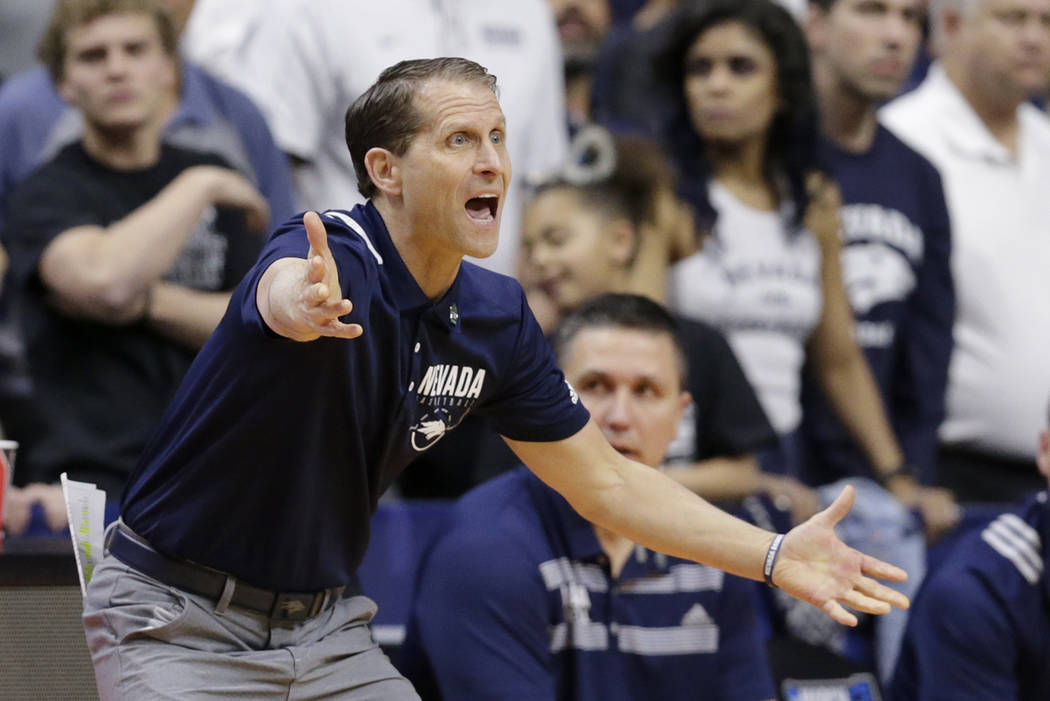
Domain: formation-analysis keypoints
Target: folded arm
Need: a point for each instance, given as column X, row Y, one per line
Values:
column 183, row 314
column 104, row 273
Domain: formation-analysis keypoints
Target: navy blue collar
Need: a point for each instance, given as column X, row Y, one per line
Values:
column 404, row 288
column 578, row 536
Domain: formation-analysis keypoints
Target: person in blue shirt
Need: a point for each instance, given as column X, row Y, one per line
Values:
column 895, row 250
column 233, row 571
column 523, row 598
column 895, row 236
column 980, row 628
column 203, row 114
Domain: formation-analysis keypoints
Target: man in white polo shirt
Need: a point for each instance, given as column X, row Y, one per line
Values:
column 305, row 61
column 972, row 119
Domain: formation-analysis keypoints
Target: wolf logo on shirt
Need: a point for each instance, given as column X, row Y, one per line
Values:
column 432, row 427
column 448, row 392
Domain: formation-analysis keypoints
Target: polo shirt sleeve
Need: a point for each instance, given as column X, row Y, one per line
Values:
column 962, row 640
column 289, row 241
column 481, row 619
column 741, row 650
column 534, row 401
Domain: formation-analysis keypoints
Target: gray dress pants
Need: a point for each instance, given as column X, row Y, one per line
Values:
column 152, row 641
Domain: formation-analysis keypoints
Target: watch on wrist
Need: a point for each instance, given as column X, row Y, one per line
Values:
column 902, row 470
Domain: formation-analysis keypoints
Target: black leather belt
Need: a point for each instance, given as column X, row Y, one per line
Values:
column 135, row 552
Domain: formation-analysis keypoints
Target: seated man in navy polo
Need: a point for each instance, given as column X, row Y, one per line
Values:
column 234, row 571
column 525, row 599
column 980, row 629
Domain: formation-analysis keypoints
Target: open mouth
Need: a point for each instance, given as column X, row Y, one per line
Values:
column 551, row 286
column 483, row 209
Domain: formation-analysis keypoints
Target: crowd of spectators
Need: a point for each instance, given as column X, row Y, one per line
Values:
column 842, row 203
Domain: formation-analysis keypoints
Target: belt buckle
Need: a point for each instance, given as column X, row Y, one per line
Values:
column 292, row 607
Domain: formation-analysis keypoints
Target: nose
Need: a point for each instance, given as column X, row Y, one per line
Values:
column 116, row 63
column 719, row 79
column 539, row 255
column 896, row 30
column 617, row 414
column 491, row 159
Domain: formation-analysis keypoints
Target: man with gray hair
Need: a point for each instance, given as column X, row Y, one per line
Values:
column 972, row 119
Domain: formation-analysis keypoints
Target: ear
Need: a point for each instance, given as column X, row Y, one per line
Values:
column 66, row 91
column 172, row 75
column 384, row 169
column 951, row 21
column 684, row 400
column 1042, row 458
column 623, row 240
column 815, row 27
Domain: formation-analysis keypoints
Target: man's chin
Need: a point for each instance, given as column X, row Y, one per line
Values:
column 483, row 246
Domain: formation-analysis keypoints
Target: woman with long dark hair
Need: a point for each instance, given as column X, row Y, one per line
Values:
column 744, row 136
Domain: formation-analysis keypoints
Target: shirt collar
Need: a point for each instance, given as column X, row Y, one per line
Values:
column 195, row 104
column 963, row 128
column 574, row 532
column 403, row 286
column 577, row 534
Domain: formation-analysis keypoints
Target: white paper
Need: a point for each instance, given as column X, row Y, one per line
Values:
column 86, row 510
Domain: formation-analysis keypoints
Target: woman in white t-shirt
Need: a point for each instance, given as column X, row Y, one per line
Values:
column 745, row 138
column 768, row 274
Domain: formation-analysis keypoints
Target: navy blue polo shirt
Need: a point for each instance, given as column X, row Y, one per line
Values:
column 516, row 602
column 979, row 628
column 271, row 458
column 896, row 269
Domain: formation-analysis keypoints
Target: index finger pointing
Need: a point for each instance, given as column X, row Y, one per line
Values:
column 316, row 234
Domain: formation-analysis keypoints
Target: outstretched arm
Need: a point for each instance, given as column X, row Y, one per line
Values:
column 301, row 298
column 644, row 505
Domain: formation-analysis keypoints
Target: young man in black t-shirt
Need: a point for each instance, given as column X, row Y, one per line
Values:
column 123, row 254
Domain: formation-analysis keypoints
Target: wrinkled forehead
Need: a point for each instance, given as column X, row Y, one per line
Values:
column 440, row 100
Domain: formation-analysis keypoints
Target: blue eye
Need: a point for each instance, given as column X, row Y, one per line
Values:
column 458, row 139
column 496, row 137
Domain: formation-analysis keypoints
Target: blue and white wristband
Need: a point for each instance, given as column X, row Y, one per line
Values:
column 771, row 559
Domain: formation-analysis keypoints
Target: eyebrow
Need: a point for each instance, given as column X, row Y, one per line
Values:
column 634, row 379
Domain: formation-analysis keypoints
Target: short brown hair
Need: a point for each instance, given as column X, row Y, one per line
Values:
column 386, row 116
column 621, row 311
column 70, row 14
